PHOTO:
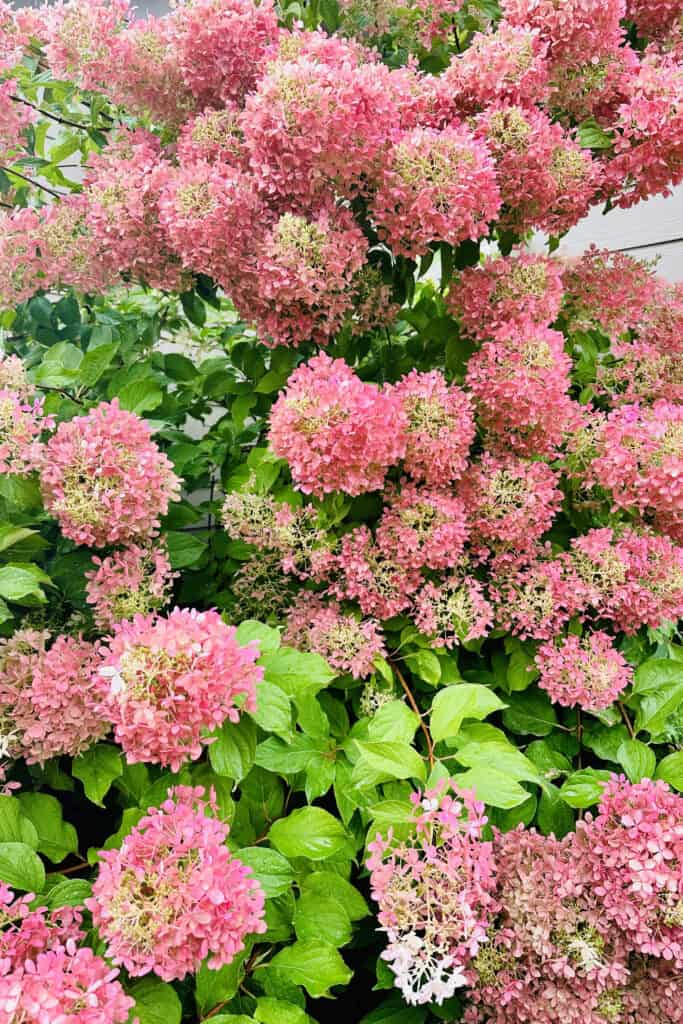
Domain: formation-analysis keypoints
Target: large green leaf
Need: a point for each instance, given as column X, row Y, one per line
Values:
column 97, row 768
column 454, row 704
column 309, row 832
column 155, row 1002
column 316, row 966
column 21, row 867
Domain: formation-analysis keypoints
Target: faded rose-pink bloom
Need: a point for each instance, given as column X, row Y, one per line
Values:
column 422, row 528
column 453, row 611
column 336, row 432
column 21, row 425
column 440, row 428
column 588, row 671
column 582, row 29
column 135, row 580
column 104, row 479
column 347, row 643
column 173, row 894
column 167, row 681
column 379, row 583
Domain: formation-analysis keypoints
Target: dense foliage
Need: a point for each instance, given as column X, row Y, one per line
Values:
column 341, row 529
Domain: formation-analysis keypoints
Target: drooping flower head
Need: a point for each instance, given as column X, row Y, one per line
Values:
column 134, row 581
column 436, row 186
column 336, row 432
column 435, row 894
column 173, row 894
column 440, row 427
column 167, row 681
column 105, row 480
column 586, row 671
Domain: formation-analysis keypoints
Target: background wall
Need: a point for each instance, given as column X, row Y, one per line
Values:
column 652, row 229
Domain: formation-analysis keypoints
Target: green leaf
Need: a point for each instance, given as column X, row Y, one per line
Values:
column 592, row 136
column 394, row 1011
column 314, row 965
column 220, row 986
column 273, row 709
column 453, row 705
column 658, row 683
column 276, row 1011
column 18, row 583
column 393, row 721
column 97, row 768
column 530, row 713
column 291, row 757
column 234, row 750
column 425, row 665
column 267, row 637
column 553, row 815
column 185, row 549
column 70, row 893
column 95, row 362
column 493, row 787
column 670, row 769
column 309, row 832
column 637, row 760
column 140, row 396
column 56, row 838
column 273, row 871
column 21, row 867
column 155, row 1002
column 584, row 788
column 503, row 757
column 15, row 827
column 521, row 671
column 323, row 919
column 383, row 762
column 328, row 883
column 295, row 672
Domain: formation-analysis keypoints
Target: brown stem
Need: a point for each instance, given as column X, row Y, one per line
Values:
column 57, row 118
column 36, row 184
column 579, row 734
column 216, row 1010
column 627, row 720
column 413, row 704
column 70, row 871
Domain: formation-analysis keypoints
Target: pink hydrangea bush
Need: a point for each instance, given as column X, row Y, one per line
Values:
column 173, row 894
column 167, row 681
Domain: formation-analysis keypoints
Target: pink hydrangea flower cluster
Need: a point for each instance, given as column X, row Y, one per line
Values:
column 164, row 682
column 173, row 894
column 380, row 584
column 21, row 426
column 45, row 977
column 640, row 459
column 14, row 119
column 642, row 374
column 654, row 17
column 440, row 428
column 422, row 528
column 505, row 292
column 133, row 581
column 13, row 376
column 435, row 894
column 509, row 66
column 454, row 611
column 336, row 432
column 435, row 186
column 104, row 479
column 581, row 29
column 587, row 671
column 510, row 502
column 348, row 644
column 536, row 595
column 48, row 698
column 520, row 383
column 607, row 290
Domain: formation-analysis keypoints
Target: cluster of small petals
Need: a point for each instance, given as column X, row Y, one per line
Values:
column 508, row 65
column 13, row 377
column 173, row 894
column 348, row 644
column 166, row 681
column 312, row 122
column 453, row 611
column 14, row 119
column 546, row 180
column 80, row 37
column 16, row 29
column 641, row 374
column 435, row 186
column 440, row 428
column 214, row 136
column 640, row 457
column 607, row 290
column 535, row 598
column 211, row 215
column 634, row 579
column 588, row 671
column 23, row 268
column 63, row 985
column 662, row 321
column 306, row 269
column 593, row 88
column 378, row 583
column 648, row 132
column 510, row 503
column 48, row 701
column 104, row 479
column 581, row 29
column 632, row 854
column 123, row 186
column 72, row 254
column 422, row 528
column 21, row 426
column 654, row 17
column 220, row 45
column 520, row 382
column 261, row 590
column 505, row 292
column 133, row 581
column 371, row 303
column 435, row 894
column 336, row 432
